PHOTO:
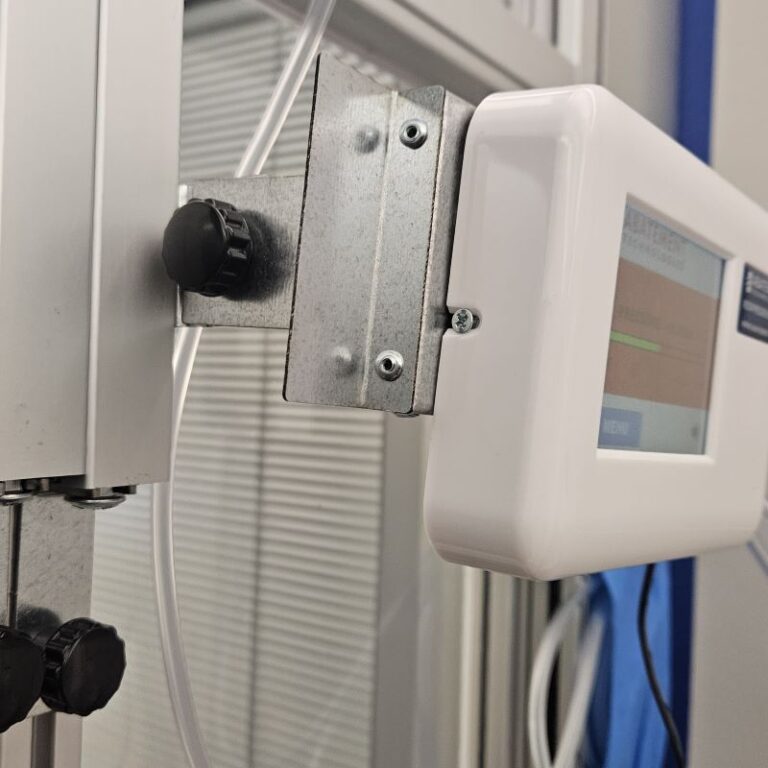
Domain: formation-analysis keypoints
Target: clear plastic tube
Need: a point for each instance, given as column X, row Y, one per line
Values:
column 301, row 57
column 176, row 671
column 187, row 341
column 543, row 665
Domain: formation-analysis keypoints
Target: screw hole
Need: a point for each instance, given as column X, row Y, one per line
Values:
column 389, row 365
column 413, row 133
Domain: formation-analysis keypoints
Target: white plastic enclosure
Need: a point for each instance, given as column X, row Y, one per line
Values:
column 557, row 185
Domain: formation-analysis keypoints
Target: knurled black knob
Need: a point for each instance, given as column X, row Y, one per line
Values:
column 21, row 676
column 84, row 666
column 207, row 248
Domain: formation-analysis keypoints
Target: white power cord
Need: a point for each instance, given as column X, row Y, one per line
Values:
column 541, row 675
column 187, row 341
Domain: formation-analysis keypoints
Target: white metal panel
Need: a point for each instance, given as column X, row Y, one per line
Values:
column 47, row 101
column 132, row 300
column 730, row 658
column 639, row 57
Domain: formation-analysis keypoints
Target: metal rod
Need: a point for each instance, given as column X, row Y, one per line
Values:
column 43, row 741
column 14, row 550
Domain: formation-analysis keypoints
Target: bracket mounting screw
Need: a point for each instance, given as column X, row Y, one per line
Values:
column 463, row 321
column 413, row 133
column 389, row 365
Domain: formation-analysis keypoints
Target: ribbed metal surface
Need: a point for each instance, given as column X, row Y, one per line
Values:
column 277, row 508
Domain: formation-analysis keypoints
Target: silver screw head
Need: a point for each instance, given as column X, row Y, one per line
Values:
column 389, row 365
column 463, row 321
column 413, row 133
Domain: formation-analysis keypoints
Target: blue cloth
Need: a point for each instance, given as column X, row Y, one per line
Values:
column 625, row 729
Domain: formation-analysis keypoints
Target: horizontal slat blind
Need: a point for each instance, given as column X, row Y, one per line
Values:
column 277, row 507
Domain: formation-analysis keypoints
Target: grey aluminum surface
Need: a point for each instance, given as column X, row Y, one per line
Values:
column 272, row 207
column 135, row 190
column 55, row 564
column 435, row 317
column 374, row 250
column 47, row 740
column 47, row 119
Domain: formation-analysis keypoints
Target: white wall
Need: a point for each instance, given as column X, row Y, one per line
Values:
column 639, row 56
column 730, row 692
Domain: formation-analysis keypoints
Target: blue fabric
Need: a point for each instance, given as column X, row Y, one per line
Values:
column 694, row 111
column 625, row 729
column 694, row 92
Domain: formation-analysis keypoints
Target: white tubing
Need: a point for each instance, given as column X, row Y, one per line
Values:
column 176, row 670
column 541, row 674
column 578, row 708
column 187, row 341
column 295, row 70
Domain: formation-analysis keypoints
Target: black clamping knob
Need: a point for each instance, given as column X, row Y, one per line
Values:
column 21, row 676
column 84, row 666
column 207, row 248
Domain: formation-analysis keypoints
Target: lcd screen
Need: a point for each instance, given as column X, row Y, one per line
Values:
column 662, row 343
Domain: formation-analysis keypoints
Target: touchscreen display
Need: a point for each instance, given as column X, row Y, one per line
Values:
column 662, row 343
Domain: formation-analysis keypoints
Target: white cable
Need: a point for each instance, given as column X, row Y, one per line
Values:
column 187, row 340
column 541, row 674
column 578, row 708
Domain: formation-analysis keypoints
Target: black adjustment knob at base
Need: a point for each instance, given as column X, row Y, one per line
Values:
column 21, row 676
column 84, row 666
column 207, row 248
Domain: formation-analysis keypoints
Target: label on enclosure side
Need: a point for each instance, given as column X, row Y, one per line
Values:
column 753, row 315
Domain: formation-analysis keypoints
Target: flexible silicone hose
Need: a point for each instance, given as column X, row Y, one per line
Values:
column 187, row 341
column 543, row 665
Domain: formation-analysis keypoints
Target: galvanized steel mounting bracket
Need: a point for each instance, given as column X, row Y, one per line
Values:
column 358, row 251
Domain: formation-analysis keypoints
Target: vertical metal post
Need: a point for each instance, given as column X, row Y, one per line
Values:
column 43, row 734
column 517, row 615
column 47, row 114
column 14, row 555
column 16, row 746
column 473, row 666
column 135, row 192
column 67, row 741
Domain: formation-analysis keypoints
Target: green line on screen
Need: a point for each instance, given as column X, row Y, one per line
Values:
column 635, row 341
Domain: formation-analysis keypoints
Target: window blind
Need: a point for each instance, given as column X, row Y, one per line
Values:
column 277, row 506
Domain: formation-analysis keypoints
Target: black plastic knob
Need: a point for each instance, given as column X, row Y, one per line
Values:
column 207, row 248
column 84, row 666
column 21, row 676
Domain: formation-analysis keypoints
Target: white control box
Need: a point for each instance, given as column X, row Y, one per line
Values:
column 611, row 407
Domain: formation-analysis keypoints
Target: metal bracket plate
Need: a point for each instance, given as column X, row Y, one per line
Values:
column 354, row 258
column 272, row 207
column 374, row 249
